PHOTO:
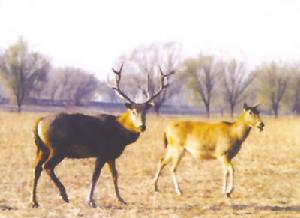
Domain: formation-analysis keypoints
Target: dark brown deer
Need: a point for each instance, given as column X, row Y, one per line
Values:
column 81, row 136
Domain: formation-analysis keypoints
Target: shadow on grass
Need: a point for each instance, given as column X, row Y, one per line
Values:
column 214, row 207
column 4, row 207
column 295, row 208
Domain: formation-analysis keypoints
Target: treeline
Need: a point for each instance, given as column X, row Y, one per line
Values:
column 226, row 84
column 213, row 84
column 28, row 76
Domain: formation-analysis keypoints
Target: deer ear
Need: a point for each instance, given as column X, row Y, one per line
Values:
column 256, row 106
column 245, row 107
column 128, row 105
column 149, row 104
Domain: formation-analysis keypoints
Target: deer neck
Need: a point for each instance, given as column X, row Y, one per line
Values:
column 240, row 129
column 125, row 121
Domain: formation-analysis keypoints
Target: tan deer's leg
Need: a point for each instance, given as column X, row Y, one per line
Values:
column 162, row 163
column 225, row 179
column 231, row 179
column 228, row 172
column 176, row 157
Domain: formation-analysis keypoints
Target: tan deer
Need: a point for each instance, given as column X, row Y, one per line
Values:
column 221, row 141
column 81, row 136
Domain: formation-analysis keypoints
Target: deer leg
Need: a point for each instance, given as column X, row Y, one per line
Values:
column 231, row 175
column 225, row 178
column 98, row 166
column 177, row 155
column 49, row 166
column 113, row 170
column 228, row 172
column 162, row 163
column 41, row 157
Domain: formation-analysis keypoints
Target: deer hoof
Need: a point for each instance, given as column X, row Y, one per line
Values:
column 178, row 192
column 227, row 195
column 121, row 201
column 92, row 204
column 34, row 205
column 65, row 198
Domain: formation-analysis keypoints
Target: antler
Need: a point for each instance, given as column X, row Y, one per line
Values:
column 117, row 87
column 163, row 85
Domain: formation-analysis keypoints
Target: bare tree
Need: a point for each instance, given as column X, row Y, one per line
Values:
column 292, row 95
column 278, row 94
column 107, row 94
column 296, row 100
column 23, row 72
column 235, row 82
column 296, row 105
column 202, row 73
column 272, row 85
column 72, row 86
column 148, row 61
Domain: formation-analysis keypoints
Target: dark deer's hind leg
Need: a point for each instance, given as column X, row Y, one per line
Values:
column 53, row 160
column 41, row 157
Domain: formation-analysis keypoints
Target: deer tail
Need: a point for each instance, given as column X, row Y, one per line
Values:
column 38, row 141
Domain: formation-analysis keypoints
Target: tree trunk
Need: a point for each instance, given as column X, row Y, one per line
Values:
column 222, row 112
column 276, row 110
column 231, row 110
column 19, row 104
column 19, row 107
column 296, row 108
column 157, row 108
column 207, row 108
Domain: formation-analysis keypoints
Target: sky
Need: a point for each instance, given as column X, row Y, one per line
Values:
column 92, row 34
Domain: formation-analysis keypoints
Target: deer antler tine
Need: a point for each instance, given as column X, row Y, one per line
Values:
column 168, row 74
column 161, row 72
column 172, row 72
column 118, row 72
column 117, row 86
column 163, row 86
column 121, row 68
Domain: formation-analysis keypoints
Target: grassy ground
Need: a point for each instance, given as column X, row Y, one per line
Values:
column 267, row 177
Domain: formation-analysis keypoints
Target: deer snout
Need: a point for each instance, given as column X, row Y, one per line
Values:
column 261, row 126
column 143, row 128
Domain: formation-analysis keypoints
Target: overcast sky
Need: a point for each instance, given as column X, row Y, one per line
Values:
column 92, row 34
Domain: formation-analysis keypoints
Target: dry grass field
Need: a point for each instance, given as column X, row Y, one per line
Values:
column 267, row 177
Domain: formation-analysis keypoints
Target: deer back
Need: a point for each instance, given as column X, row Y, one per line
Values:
column 80, row 136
